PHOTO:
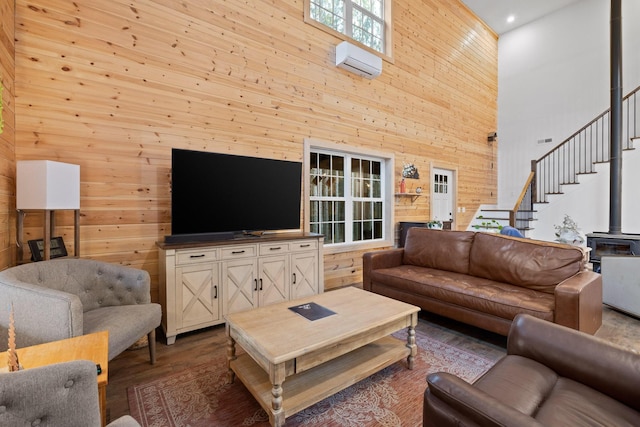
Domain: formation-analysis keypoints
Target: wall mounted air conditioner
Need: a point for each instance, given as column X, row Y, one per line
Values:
column 358, row 61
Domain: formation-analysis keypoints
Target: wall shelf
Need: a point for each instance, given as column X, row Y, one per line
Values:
column 413, row 196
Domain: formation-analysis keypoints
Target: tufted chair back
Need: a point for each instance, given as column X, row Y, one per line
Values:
column 62, row 394
column 96, row 283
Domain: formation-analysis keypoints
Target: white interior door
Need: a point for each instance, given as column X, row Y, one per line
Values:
column 442, row 195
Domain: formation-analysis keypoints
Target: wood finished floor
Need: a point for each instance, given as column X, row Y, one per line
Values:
column 191, row 349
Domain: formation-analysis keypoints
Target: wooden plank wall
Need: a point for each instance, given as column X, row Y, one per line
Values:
column 113, row 85
column 7, row 137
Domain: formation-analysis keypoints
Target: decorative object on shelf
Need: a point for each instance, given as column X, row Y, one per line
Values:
column 488, row 225
column 410, row 171
column 418, row 190
column 12, row 363
column 435, row 224
column 58, row 249
column 403, row 186
column 568, row 232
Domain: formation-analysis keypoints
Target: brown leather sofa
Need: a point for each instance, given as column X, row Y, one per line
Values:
column 487, row 279
column 551, row 376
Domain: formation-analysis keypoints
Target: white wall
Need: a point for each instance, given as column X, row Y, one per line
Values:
column 553, row 78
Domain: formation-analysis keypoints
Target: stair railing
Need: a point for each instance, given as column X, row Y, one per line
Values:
column 575, row 156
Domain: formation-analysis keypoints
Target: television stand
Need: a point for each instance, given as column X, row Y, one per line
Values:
column 201, row 282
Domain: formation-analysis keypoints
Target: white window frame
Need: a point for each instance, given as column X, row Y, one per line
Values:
column 387, row 193
column 386, row 21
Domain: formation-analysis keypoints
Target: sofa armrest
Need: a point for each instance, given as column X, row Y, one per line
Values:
column 579, row 302
column 41, row 314
column 589, row 360
column 376, row 260
column 474, row 404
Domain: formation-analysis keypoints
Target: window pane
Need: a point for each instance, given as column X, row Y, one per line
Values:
column 367, row 232
column 357, row 231
column 377, row 230
column 339, row 236
column 339, row 187
column 377, row 189
column 377, row 210
column 313, row 215
column 327, row 232
column 338, row 165
column 338, row 214
column 357, row 211
column 367, row 210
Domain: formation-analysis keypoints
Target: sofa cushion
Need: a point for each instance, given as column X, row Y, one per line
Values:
column 529, row 263
column 498, row 299
column 424, row 248
column 572, row 403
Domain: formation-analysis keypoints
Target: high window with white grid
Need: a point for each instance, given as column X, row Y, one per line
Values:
column 362, row 20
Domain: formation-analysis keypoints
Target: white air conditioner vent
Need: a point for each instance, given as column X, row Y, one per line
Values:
column 358, row 61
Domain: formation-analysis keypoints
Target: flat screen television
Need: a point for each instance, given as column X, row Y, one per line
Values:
column 219, row 196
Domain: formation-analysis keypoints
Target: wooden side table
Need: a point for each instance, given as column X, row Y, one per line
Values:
column 94, row 347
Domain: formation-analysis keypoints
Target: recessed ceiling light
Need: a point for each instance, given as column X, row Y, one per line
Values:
column 510, row 19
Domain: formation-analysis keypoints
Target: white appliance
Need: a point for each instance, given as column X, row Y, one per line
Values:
column 621, row 282
column 357, row 60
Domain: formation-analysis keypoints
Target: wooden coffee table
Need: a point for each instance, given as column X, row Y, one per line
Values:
column 290, row 362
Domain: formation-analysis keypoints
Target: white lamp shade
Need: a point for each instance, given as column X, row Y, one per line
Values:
column 45, row 184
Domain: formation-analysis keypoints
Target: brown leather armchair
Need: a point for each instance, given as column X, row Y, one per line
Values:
column 551, row 376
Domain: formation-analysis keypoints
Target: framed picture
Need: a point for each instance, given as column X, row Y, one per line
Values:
column 57, row 248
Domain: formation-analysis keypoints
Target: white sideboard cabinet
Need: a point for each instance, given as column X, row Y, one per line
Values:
column 201, row 282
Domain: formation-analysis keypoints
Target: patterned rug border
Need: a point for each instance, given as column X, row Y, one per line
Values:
column 389, row 398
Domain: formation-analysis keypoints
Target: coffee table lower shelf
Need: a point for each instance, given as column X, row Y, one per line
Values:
column 309, row 387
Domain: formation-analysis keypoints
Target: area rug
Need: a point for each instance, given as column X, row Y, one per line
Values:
column 392, row 397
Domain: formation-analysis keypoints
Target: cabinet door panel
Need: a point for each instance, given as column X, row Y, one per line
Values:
column 304, row 274
column 273, row 280
column 197, row 299
column 240, row 285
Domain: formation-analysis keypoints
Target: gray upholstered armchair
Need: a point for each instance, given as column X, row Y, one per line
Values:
column 64, row 298
column 62, row 394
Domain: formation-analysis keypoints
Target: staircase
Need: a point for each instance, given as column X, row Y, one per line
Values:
column 575, row 156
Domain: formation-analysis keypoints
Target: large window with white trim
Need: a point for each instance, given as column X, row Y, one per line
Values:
column 364, row 21
column 348, row 197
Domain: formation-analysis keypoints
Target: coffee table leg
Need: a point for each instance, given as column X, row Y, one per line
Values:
column 231, row 355
column 411, row 343
column 277, row 378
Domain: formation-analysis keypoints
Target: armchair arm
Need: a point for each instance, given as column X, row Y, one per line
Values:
column 598, row 364
column 41, row 314
column 473, row 404
column 579, row 302
column 379, row 259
